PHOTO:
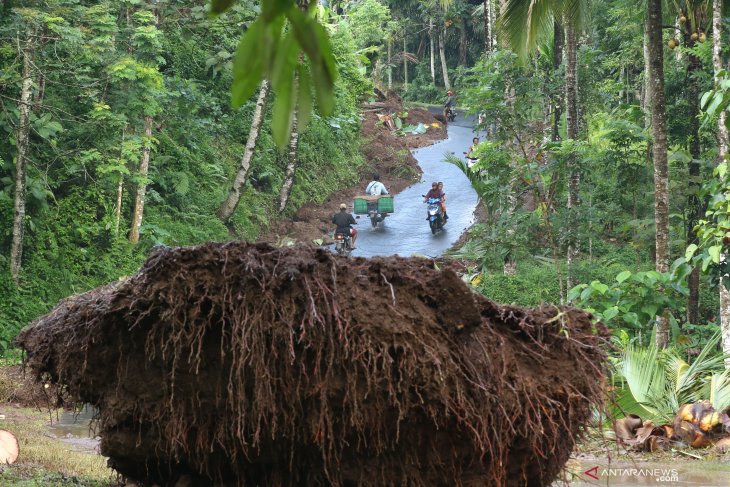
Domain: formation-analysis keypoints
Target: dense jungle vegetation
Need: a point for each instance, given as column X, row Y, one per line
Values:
column 602, row 170
column 603, row 161
column 114, row 84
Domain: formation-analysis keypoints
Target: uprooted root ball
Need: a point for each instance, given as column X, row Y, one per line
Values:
column 252, row 365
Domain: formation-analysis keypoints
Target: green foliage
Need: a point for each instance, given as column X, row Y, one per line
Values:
column 654, row 383
column 105, row 68
column 271, row 48
column 369, row 20
column 633, row 300
column 714, row 231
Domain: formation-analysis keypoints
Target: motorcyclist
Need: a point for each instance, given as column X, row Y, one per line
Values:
column 343, row 220
column 450, row 103
column 472, row 150
column 376, row 188
column 436, row 192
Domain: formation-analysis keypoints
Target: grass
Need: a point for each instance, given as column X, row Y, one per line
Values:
column 46, row 461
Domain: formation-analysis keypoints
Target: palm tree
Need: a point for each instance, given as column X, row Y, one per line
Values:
column 722, row 145
column 655, row 60
column 654, row 382
column 523, row 22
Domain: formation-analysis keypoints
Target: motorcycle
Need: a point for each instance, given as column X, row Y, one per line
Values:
column 343, row 243
column 470, row 161
column 450, row 114
column 375, row 216
column 435, row 215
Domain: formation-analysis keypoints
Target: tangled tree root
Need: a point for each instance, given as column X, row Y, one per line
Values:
column 251, row 365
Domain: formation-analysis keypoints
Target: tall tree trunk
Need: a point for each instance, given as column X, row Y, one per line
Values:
column 659, row 151
column 421, row 46
column 722, row 144
column 462, row 42
column 500, row 41
column 571, row 100
column 433, row 54
column 144, row 167
column 234, row 195
column 694, row 205
column 487, row 26
column 405, row 60
column 557, row 61
column 144, row 164
column 442, row 55
column 120, row 186
column 16, row 250
column 646, row 100
column 291, row 165
column 40, row 93
column 390, row 63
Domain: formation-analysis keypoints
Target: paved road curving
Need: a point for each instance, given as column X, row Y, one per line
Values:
column 406, row 232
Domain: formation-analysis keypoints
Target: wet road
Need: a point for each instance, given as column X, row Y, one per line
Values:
column 406, row 232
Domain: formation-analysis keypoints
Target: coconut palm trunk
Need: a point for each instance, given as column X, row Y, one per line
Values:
column 442, row 55
column 571, row 102
column 694, row 205
column 291, row 165
column 655, row 59
column 557, row 61
column 21, row 161
column 432, row 50
column 405, row 60
column 390, row 63
column 487, row 26
column 462, row 43
column 722, row 144
column 120, row 186
column 144, row 168
column 234, row 195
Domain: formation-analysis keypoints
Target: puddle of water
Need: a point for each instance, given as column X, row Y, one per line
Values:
column 77, row 429
column 628, row 474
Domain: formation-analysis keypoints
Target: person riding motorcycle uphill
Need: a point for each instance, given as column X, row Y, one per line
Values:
column 449, row 105
column 343, row 220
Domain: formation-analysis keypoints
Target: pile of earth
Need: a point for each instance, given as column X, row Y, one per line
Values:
column 242, row 364
column 385, row 152
column 20, row 390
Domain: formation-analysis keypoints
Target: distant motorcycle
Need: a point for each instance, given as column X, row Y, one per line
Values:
column 374, row 215
column 435, row 215
column 470, row 161
column 450, row 114
column 343, row 243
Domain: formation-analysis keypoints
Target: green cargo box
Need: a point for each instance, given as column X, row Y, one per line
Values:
column 361, row 206
column 385, row 204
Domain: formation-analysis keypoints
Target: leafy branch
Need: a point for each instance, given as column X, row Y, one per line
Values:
column 273, row 48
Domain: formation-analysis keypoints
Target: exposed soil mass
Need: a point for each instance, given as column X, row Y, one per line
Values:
column 20, row 389
column 259, row 366
column 386, row 154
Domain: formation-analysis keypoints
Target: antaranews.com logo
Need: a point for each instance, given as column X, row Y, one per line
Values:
column 658, row 474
